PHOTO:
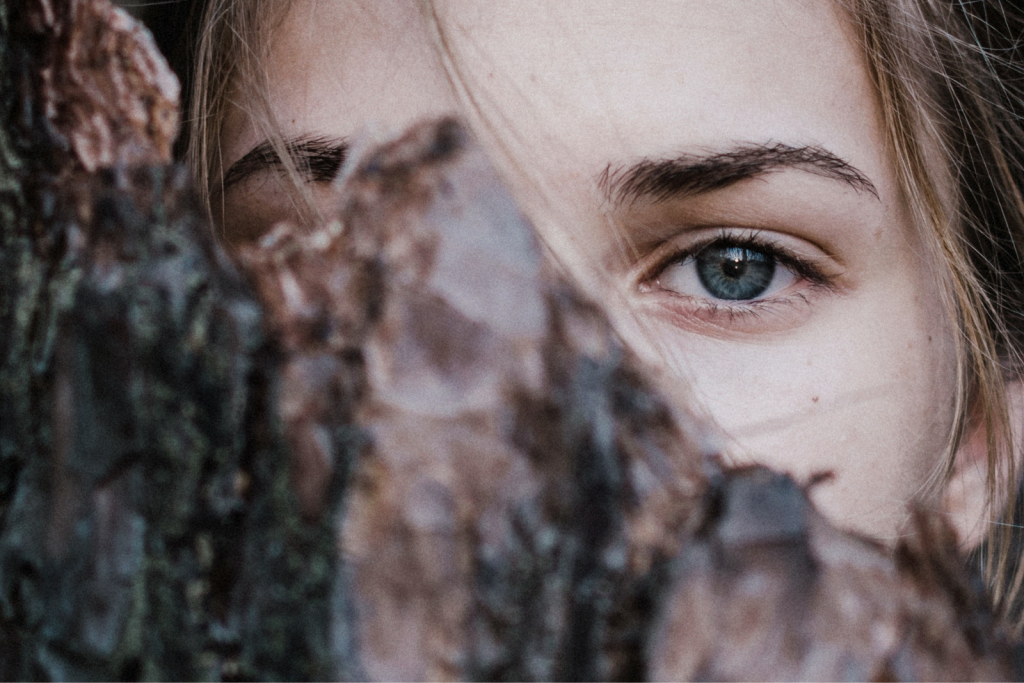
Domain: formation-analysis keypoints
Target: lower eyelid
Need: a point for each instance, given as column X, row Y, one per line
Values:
column 717, row 318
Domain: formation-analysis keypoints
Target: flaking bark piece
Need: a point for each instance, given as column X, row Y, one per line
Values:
column 520, row 477
column 768, row 590
column 102, row 87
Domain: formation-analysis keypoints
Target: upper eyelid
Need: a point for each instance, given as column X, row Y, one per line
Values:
column 758, row 238
column 647, row 271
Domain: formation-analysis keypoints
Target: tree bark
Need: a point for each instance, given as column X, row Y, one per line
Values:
column 398, row 446
column 147, row 526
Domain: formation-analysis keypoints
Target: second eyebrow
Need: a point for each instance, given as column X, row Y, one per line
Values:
column 662, row 179
column 317, row 159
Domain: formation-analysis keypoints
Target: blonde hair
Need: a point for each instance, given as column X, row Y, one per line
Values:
column 231, row 53
column 949, row 77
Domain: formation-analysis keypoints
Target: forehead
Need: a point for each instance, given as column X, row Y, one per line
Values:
column 593, row 79
column 339, row 60
column 689, row 70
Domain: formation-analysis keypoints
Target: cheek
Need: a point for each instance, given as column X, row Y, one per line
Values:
column 864, row 390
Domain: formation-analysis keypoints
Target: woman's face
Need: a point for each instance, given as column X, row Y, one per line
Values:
column 716, row 170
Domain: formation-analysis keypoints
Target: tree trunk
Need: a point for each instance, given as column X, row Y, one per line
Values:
column 399, row 446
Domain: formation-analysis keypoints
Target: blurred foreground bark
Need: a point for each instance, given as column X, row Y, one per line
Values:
column 399, row 446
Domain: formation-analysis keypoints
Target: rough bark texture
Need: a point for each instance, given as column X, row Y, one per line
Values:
column 396, row 446
column 518, row 479
column 767, row 589
column 147, row 525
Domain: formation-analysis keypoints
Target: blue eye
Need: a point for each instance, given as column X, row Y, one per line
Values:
column 725, row 271
column 734, row 273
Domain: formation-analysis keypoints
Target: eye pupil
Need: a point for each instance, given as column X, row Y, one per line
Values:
column 735, row 273
column 734, row 267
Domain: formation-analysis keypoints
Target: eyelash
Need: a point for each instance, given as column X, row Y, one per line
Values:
column 713, row 309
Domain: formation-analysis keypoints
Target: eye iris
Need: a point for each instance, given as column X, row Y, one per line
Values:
column 735, row 273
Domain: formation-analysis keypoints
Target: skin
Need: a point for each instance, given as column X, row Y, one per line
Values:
column 844, row 365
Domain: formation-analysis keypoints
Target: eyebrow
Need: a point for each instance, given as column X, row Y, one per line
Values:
column 688, row 174
column 317, row 158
